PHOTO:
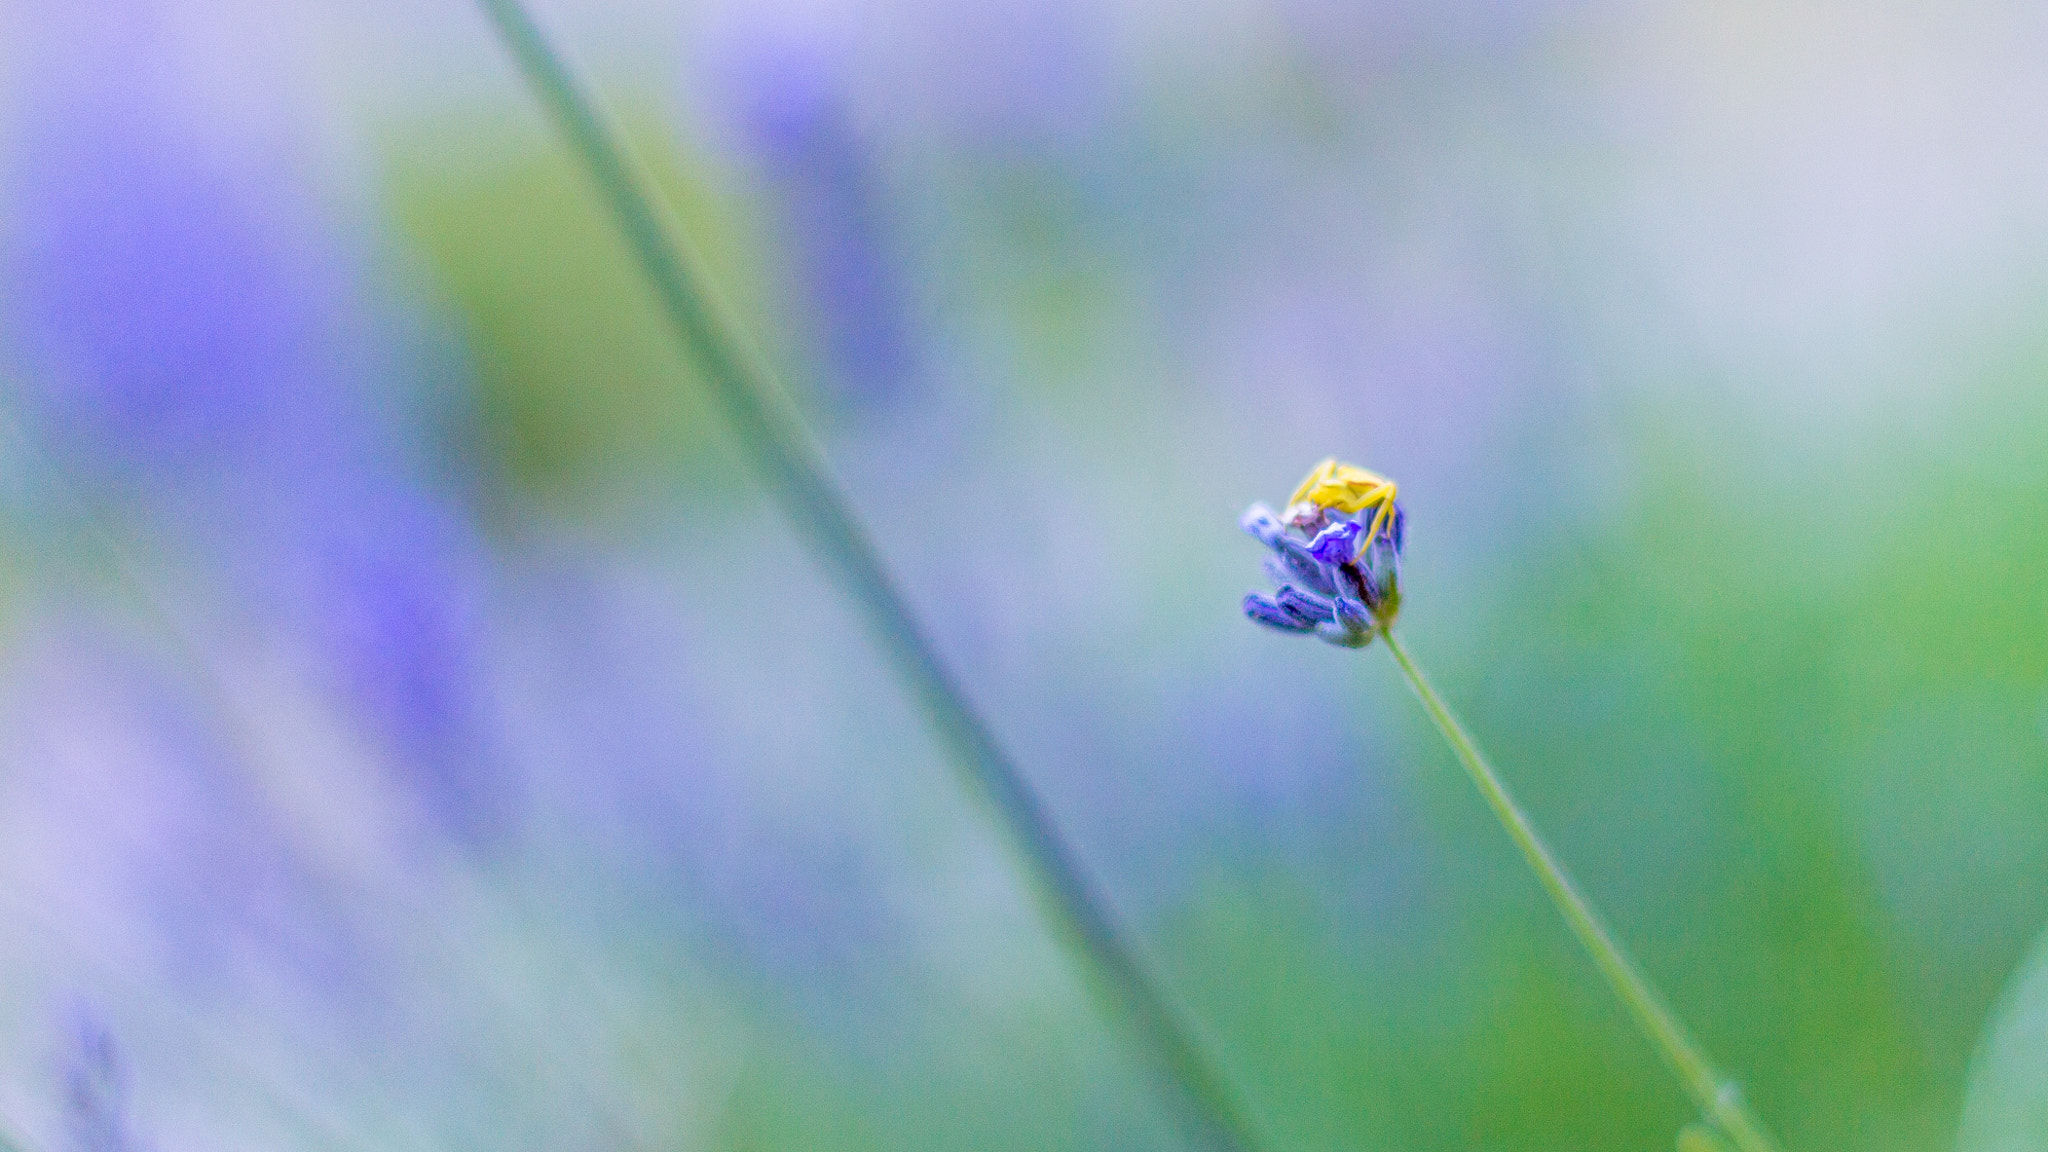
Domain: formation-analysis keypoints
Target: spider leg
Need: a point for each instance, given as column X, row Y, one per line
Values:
column 1381, row 499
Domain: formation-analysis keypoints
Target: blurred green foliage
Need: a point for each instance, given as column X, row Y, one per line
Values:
column 581, row 391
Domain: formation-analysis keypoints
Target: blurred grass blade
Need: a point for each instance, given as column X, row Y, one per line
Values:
column 775, row 441
column 2005, row 1108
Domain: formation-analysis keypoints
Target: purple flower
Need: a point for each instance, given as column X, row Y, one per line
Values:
column 386, row 588
column 1265, row 610
column 1306, row 607
column 170, row 306
column 1337, row 544
column 1325, row 583
column 95, row 1087
column 189, row 329
column 790, row 106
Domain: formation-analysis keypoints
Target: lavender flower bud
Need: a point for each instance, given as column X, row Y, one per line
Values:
column 1262, row 609
column 1306, row 568
column 1305, row 606
column 1337, row 544
column 1262, row 524
column 1353, row 615
column 1331, row 580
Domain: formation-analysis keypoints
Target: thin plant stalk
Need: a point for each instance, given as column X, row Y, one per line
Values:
column 774, row 440
column 1718, row 1098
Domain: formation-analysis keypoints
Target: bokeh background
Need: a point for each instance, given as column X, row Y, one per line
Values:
column 420, row 733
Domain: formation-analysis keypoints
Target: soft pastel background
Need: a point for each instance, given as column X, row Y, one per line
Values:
column 417, row 732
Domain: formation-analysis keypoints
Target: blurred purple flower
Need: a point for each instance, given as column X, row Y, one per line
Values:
column 384, row 582
column 95, row 1088
column 190, row 330
column 789, row 104
column 170, row 309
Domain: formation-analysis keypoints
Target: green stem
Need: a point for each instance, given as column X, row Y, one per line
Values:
column 774, row 440
column 1718, row 1098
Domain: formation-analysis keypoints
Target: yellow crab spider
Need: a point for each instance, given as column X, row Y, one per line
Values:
column 1350, row 490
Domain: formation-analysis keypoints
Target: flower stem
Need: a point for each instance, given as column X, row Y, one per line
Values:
column 1719, row 1099
column 775, row 441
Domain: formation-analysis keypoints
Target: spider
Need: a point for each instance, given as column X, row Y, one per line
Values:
column 1349, row 490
